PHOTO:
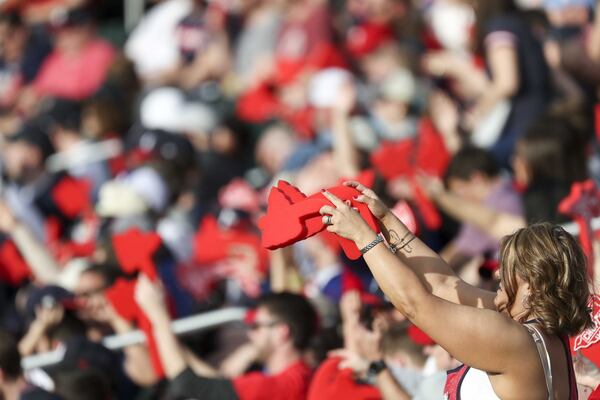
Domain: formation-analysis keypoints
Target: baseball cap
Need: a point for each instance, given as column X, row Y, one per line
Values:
column 363, row 39
column 69, row 17
column 47, row 296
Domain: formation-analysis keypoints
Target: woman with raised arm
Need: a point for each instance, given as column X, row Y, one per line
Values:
column 514, row 342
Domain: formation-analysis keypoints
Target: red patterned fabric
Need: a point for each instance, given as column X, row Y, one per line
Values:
column 453, row 382
column 583, row 204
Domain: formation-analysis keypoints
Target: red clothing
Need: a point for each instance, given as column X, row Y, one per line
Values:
column 290, row 384
column 75, row 77
column 332, row 383
column 305, row 44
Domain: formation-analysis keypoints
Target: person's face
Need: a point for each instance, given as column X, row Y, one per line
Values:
column 273, row 149
column 15, row 44
column 265, row 333
column 517, row 310
column 464, row 188
column 23, row 162
column 89, row 283
column 72, row 38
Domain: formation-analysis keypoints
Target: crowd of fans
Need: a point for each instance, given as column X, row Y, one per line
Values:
column 135, row 167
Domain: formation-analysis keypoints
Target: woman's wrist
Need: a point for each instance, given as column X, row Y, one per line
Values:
column 387, row 218
column 364, row 237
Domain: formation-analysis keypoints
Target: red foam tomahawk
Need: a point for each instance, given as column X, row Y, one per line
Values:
column 583, row 204
column 292, row 216
column 134, row 250
column 427, row 153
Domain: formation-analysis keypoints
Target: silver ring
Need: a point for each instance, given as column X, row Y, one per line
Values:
column 328, row 220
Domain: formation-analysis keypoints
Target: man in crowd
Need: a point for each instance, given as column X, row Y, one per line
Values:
column 280, row 332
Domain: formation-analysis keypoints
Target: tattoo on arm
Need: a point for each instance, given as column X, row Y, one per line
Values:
column 401, row 243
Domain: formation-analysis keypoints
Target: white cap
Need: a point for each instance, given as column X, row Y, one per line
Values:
column 116, row 199
column 325, row 85
column 167, row 109
column 150, row 186
column 140, row 191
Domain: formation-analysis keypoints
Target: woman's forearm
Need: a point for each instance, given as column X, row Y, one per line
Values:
column 434, row 273
column 396, row 279
column 427, row 264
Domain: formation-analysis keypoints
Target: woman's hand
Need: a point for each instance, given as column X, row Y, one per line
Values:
column 368, row 197
column 345, row 221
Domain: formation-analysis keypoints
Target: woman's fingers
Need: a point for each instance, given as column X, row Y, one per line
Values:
column 365, row 199
column 361, row 188
column 356, row 185
column 334, row 199
column 327, row 210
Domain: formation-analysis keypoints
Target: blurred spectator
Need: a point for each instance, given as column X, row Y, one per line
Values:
column 516, row 92
column 23, row 52
column 155, row 154
column 13, row 385
column 152, row 46
column 280, row 332
column 474, row 175
column 79, row 62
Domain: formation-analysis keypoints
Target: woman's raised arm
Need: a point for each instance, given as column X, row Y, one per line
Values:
column 436, row 276
column 471, row 335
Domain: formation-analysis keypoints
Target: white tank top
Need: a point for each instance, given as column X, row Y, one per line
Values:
column 476, row 385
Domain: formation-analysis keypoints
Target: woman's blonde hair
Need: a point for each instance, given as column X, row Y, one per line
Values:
column 552, row 262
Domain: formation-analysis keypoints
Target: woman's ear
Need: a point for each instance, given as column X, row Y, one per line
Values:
column 525, row 290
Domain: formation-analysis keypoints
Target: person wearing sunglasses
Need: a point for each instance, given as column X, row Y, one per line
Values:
column 280, row 331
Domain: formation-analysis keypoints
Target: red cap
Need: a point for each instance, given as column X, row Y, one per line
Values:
column 363, row 39
column 419, row 337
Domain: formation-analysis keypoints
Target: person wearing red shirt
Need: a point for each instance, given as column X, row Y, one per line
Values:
column 80, row 61
column 280, row 332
